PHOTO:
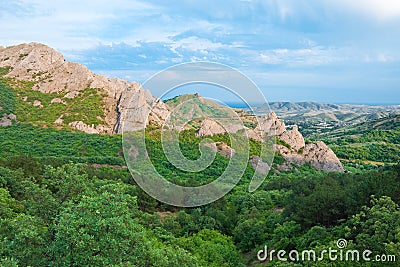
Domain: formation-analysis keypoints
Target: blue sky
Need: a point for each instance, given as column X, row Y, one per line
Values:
column 294, row 50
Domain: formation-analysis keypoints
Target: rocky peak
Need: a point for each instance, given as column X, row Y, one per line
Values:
column 50, row 72
column 270, row 125
column 293, row 138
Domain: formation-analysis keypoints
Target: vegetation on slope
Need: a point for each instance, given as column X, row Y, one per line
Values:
column 19, row 98
column 55, row 213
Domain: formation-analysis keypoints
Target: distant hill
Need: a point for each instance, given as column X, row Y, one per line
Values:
column 301, row 106
column 286, row 108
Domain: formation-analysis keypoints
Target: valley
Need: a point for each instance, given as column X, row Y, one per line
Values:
column 69, row 198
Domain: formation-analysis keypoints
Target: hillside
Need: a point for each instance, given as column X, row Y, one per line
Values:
column 52, row 92
column 67, row 197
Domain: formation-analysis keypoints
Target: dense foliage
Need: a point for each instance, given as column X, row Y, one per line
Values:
column 374, row 145
column 56, row 211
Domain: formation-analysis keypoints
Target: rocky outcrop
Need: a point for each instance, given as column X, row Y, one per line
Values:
column 293, row 138
column 222, row 149
column 7, row 120
column 136, row 109
column 210, row 127
column 295, row 150
column 321, row 157
column 318, row 155
column 81, row 126
column 50, row 72
column 269, row 125
column 259, row 165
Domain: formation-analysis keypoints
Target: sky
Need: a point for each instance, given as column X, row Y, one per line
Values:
column 333, row 51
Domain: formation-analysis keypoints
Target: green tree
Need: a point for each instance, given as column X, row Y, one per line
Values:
column 100, row 231
column 377, row 227
column 212, row 249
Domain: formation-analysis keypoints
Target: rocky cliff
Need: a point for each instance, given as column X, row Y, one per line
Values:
column 50, row 73
column 290, row 144
column 124, row 103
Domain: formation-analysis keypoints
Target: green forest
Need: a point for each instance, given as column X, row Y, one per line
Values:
column 67, row 199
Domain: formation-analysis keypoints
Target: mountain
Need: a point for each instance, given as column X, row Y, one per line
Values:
column 65, row 94
column 321, row 112
column 39, row 87
column 286, row 108
column 301, row 106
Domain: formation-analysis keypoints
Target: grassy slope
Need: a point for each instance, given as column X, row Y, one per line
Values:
column 87, row 106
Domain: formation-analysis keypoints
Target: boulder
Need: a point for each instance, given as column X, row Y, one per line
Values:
column 259, row 165
column 222, row 149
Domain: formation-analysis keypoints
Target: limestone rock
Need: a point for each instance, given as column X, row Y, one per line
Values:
column 59, row 120
column 210, row 127
column 37, row 103
column 50, row 72
column 7, row 120
column 222, row 148
column 90, row 129
column 293, row 138
column 252, row 134
column 58, row 100
column 259, row 165
column 322, row 157
column 319, row 155
column 269, row 125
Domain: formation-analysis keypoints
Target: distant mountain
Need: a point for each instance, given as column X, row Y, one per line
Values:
column 328, row 115
column 314, row 108
column 301, row 106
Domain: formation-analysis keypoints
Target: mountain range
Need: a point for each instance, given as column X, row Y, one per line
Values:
column 41, row 88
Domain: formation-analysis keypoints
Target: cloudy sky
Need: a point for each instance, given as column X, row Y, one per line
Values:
column 330, row 51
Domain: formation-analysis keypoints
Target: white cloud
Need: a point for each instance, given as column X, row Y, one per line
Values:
column 304, row 56
column 378, row 9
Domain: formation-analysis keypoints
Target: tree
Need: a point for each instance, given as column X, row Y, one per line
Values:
column 100, row 231
column 377, row 227
column 212, row 249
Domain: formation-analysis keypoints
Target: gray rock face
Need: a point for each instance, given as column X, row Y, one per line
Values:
column 7, row 120
column 210, row 127
column 269, row 125
column 90, row 129
column 259, row 165
column 319, row 155
column 322, row 157
column 52, row 74
column 222, row 148
column 293, row 138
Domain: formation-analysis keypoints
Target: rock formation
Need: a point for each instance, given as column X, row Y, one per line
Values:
column 295, row 150
column 50, row 72
column 269, row 125
column 259, row 165
column 7, row 120
column 293, row 138
column 210, row 127
column 222, row 149
column 127, row 106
